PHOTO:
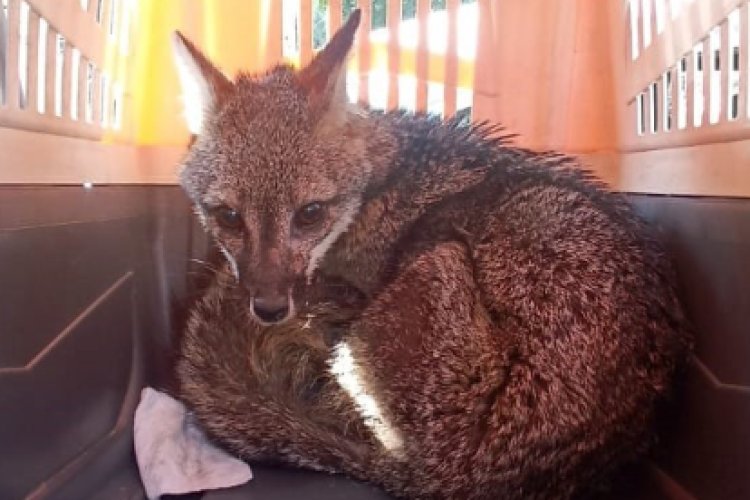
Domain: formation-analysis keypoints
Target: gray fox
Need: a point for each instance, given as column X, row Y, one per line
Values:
column 415, row 302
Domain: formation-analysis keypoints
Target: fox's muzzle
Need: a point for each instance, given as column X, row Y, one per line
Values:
column 270, row 295
column 268, row 279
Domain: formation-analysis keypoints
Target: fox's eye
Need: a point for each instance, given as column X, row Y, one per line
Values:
column 309, row 215
column 228, row 218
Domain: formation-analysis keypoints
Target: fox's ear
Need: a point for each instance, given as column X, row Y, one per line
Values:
column 203, row 85
column 324, row 79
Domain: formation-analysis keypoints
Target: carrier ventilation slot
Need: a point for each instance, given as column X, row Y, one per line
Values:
column 702, row 95
column 50, row 79
column 408, row 55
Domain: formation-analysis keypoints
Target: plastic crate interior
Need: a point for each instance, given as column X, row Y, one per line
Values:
column 100, row 251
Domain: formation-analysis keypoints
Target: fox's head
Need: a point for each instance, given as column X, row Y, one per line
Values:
column 278, row 166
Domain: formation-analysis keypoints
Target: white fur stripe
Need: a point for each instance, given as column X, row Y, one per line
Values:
column 232, row 262
column 348, row 374
column 341, row 225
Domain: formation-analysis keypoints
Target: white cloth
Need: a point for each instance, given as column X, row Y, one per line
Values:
column 174, row 456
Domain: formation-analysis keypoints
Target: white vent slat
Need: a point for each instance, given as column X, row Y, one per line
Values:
column 451, row 60
column 32, row 41
column 66, row 79
column 363, row 50
column 12, row 87
column 50, row 72
column 742, row 106
column 394, row 51
column 422, row 55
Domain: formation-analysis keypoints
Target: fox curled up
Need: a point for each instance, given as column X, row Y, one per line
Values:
column 413, row 302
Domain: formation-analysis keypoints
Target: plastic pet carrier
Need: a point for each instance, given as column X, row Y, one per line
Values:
column 100, row 251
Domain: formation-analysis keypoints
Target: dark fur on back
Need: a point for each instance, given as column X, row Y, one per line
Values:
column 516, row 322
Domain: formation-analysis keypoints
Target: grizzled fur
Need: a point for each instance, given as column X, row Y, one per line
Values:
column 516, row 324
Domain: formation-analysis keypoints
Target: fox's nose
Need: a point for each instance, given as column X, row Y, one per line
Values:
column 272, row 308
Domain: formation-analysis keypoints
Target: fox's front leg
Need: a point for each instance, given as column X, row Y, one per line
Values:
column 266, row 392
